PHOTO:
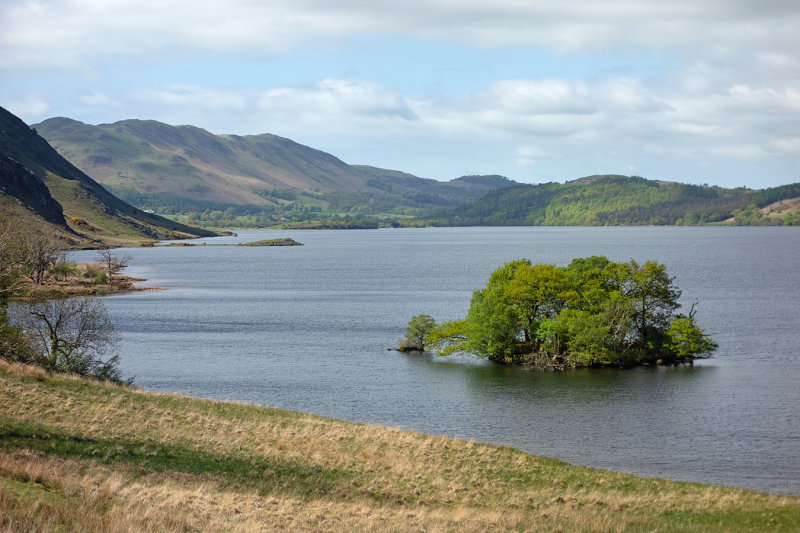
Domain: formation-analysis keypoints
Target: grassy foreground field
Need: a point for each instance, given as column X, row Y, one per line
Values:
column 78, row 455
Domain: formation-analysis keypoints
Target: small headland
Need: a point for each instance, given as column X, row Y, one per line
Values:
column 85, row 279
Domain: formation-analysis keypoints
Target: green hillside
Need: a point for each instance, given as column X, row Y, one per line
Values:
column 41, row 187
column 185, row 161
column 623, row 200
column 184, row 169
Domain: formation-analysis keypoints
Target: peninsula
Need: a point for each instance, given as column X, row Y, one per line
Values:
column 71, row 279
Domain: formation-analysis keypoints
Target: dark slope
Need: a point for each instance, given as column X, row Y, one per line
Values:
column 18, row 182
column 87, row 207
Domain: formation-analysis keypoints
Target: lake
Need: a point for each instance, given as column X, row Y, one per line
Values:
column 307, row 328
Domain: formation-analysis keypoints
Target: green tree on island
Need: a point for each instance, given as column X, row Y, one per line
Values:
column 594, row 312
column 419, row 327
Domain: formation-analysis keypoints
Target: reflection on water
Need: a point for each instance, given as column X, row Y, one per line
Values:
column 308, row 328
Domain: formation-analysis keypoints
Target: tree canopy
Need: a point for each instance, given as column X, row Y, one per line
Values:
column 593, row 312
column 72, row 335
column 65, row 335
column 419, row 327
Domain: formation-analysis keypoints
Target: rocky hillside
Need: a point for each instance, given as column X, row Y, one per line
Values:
column 39, row 183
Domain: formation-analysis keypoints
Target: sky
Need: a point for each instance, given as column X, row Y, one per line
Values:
column 695, row 91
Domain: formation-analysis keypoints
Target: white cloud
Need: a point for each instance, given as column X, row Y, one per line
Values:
column 541, row 118
column 197, row 97
column 527, row 155
column 70, row 32
column 761, row 98
column 97, row 100
column 30, row 105
column 336, row 103
column 575, row 110
column 539, row 97
column 627, row 95
column 688, row 128
column 548, row 116
column 721, row 78
column 739, row 151
column 787, row 145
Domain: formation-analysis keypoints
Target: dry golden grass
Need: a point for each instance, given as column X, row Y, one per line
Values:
column 80, row 455
column 781, row 207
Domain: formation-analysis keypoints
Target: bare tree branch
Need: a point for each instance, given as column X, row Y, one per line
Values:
column 114, row 263
column 12, row 259
column 72, row 335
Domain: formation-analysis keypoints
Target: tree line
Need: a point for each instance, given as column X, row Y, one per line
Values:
column 72, row 335
column 591, row 313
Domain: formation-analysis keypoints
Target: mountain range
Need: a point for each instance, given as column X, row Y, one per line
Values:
column 41, row 190
column 266, row 179
column 193, row 175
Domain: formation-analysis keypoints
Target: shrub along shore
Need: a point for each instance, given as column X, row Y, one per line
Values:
column 76, row 454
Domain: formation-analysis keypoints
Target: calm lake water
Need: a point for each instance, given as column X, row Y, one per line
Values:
column 307, row 328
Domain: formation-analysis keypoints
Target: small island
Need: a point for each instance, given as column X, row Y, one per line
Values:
column 592, row 313
column 285, row 241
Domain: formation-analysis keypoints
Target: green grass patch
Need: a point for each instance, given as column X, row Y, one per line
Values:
column 265, row 475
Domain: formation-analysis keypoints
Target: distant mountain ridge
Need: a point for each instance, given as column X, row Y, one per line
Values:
column 265, row 180
column 35, row 179
column 189, row 164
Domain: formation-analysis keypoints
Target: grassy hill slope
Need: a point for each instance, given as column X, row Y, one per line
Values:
column 77, row 455
column 184, row 168
column 185, row 161
column 35, row 176
column 623, row 200
column 149, row 156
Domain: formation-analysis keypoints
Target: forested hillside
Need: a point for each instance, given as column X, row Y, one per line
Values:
column 623, row 200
